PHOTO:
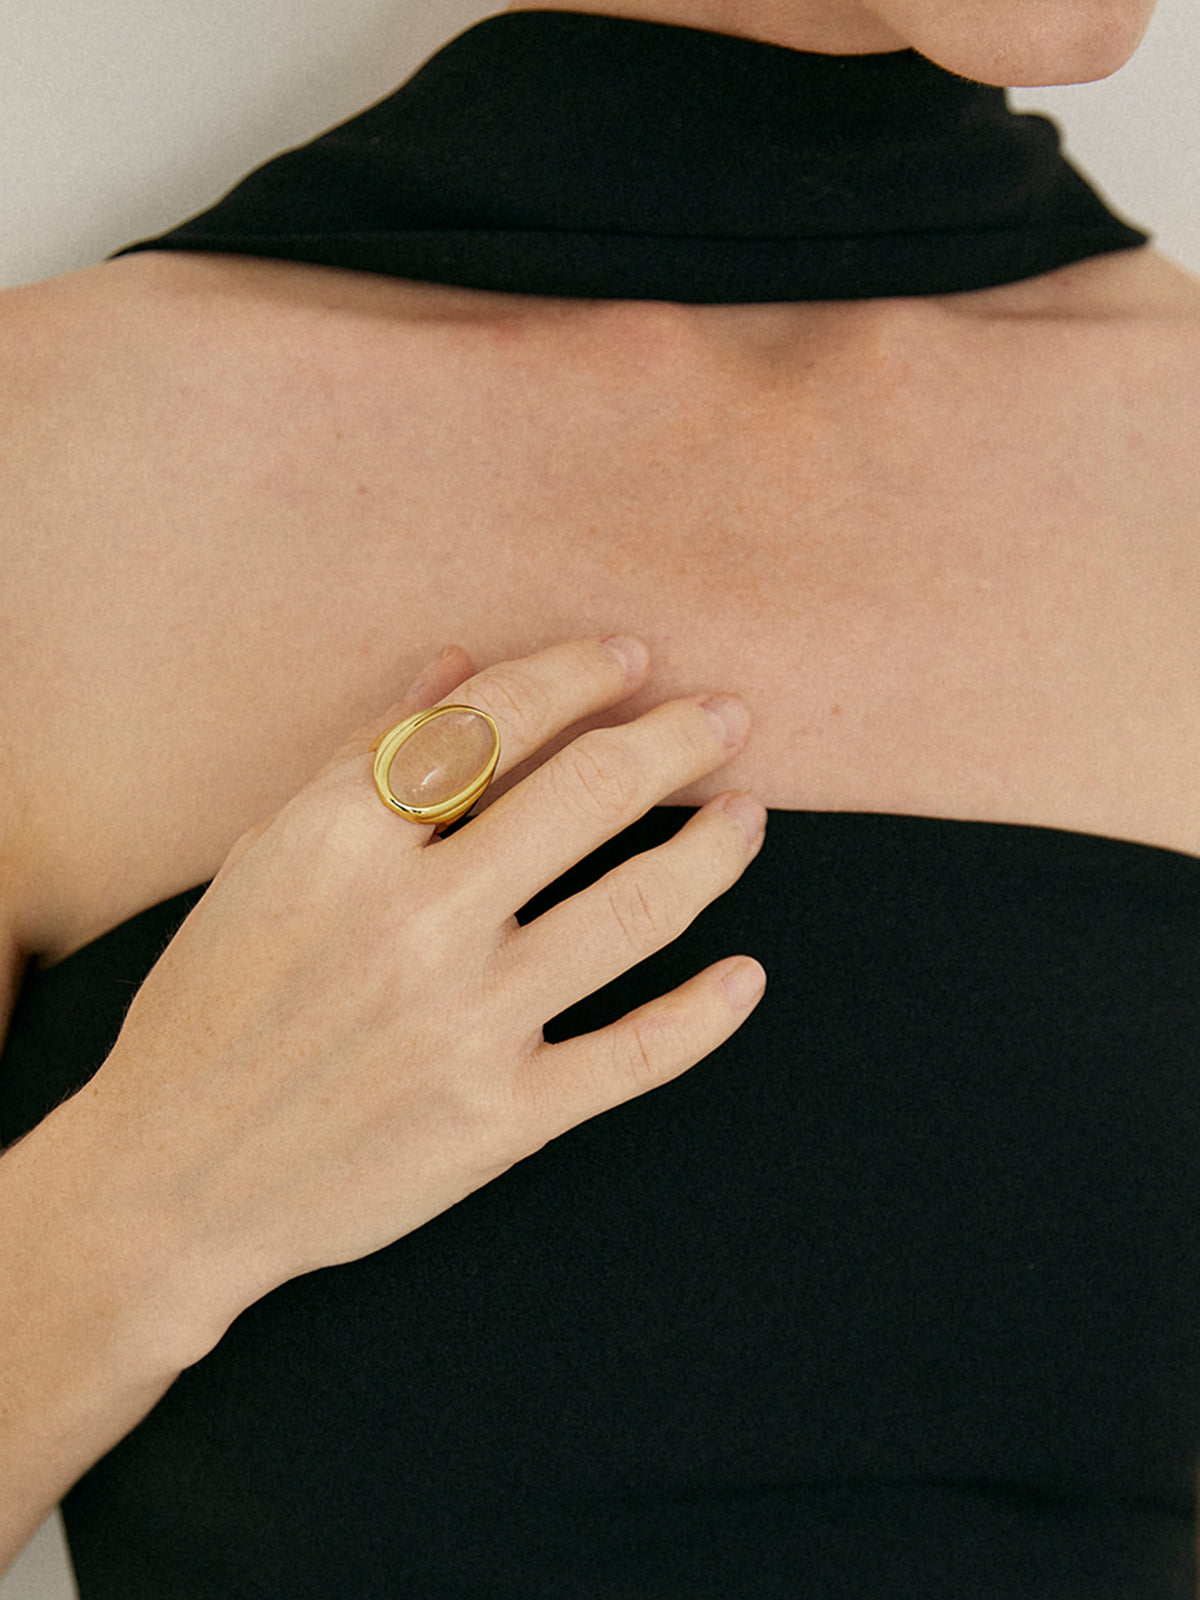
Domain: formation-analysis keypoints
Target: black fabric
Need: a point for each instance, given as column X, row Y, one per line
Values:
column 562, row 154
column 896, row 1294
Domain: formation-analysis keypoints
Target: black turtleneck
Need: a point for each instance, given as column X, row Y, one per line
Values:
column 557, row 153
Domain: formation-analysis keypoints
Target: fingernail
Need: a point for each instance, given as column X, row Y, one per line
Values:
column 729, row 718
column 749, row 814
column 630, row 652
column 744, row 984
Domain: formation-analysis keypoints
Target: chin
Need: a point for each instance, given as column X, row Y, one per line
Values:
column 1014, row 43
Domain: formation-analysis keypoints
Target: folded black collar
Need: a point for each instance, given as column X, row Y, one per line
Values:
column 561, row 153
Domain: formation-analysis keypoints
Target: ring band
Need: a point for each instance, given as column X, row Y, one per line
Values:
column 433, row 774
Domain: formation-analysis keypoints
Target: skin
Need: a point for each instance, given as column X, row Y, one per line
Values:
column 1007, row 42
column 965, row 584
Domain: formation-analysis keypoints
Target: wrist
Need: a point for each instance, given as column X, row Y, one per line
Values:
column 89, row 1338
column 97, row 1259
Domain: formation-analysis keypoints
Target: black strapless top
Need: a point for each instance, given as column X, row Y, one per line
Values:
column 898, row 1293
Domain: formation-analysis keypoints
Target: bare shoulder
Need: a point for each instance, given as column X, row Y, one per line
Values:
column 192, row 448
column 23, row 341
column 72, row 385
column 16, row 852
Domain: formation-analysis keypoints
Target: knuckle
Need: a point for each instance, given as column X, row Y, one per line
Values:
column 648, row 1049
column 643, row 906
column 435, row 918
column 324, row 829
column 536, row 1111
column 599, row 776
column 725, row 855
column 590, row 665
column 694, row 741
column 518, row 700
column 335, row 851
column 425, row 940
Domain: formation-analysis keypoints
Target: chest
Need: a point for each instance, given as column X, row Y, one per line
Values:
column 953, row 576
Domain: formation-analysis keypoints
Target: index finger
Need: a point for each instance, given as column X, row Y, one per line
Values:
column 533, row 699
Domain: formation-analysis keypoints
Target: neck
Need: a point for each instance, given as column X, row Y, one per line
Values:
column 829, row 27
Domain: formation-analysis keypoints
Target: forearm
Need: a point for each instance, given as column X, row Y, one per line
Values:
column 86, row 1345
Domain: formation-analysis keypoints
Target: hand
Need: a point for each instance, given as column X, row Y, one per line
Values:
column 345, row 1037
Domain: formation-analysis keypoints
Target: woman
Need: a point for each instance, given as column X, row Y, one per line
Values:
column 816, row 370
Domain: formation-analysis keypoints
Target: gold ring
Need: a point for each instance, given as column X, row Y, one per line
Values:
column 435, row 774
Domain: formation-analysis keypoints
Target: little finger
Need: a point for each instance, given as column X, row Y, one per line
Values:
column 565, row 1084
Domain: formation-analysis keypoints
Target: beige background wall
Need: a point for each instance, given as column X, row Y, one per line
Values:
column 118, row 120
